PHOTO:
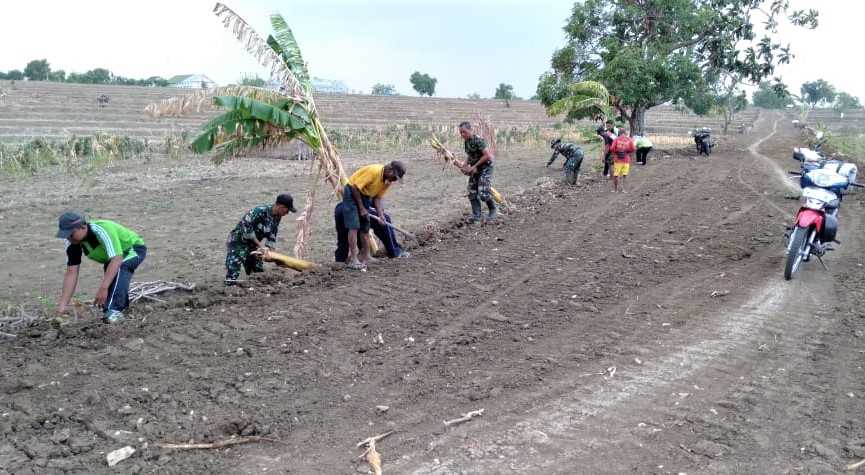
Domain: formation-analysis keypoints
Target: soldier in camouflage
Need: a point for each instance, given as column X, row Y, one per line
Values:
column 573, row 159
column 256, row 231
column 479, row 168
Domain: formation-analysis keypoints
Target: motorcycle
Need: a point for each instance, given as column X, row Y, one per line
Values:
column 816, row 224
column 703, row 141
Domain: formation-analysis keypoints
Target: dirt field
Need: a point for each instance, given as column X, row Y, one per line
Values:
column 647, row 332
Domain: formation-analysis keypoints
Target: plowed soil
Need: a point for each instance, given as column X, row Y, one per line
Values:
column 646, row 332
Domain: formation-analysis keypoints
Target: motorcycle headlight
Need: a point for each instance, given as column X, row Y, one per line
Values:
column 820, row 180
column 812, row 203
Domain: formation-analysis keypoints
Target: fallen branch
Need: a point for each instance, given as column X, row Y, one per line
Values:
column 465, row 418
column 854, row 466
column 373, row 439
column 140, row 290
column 218, row 444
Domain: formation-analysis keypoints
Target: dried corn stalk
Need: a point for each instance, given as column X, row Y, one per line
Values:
column 371, row 455
column 373, row 458
column 449, row 158
column 487, row 132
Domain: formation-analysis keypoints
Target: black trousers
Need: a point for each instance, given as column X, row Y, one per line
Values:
column 384, row 233
column 643, row 154
column 608, row 162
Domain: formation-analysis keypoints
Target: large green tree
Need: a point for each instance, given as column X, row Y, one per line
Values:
column 817, row 92
column 424, row 84
column 505, row 92
column 846, row 101
column 648, row 52
column 37, row 70
column 769, row 97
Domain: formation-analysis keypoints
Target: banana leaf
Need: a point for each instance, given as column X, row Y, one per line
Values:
column 285, row 45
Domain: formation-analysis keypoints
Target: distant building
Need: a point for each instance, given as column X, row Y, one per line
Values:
column 191, row 81
column 329, row 86
column 318, row 85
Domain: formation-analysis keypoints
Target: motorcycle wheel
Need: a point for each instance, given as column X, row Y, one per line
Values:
column 795, row 249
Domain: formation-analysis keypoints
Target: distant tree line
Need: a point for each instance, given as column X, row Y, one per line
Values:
column 40, row 70
column 812, row 94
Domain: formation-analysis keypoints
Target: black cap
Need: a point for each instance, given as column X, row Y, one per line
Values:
column 68, row 222
column 286, row 200
column 555, row 142
column 398, row 168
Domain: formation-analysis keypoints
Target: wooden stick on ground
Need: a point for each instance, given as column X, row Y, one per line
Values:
column 395, row 227
column 466, row 417
column 854, row 466
column 218, row 444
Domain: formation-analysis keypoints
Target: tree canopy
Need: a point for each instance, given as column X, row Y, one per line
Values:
column 37, row 70
column 817, row 92
column 648, row 52
column 424, row 84
column 252, row 80
column 380, row 89
column 769, row 97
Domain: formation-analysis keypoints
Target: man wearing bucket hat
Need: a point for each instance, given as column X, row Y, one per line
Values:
column 119, row 250
column 256, row 231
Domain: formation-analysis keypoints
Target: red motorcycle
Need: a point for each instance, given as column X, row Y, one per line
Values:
column 816, row 223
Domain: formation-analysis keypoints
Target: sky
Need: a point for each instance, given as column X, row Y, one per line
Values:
column 469, row 45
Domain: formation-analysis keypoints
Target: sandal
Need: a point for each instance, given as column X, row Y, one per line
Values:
column 356, row 266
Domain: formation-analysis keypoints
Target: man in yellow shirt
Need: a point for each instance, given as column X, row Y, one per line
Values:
column 365, row 188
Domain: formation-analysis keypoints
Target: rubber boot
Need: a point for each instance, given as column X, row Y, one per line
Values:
column 476, row 210
column 494, row 212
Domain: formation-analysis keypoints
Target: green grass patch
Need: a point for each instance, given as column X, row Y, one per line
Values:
column 850, row 146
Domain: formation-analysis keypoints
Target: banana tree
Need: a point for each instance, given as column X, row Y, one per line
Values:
column 258, row 117
column 583, row 99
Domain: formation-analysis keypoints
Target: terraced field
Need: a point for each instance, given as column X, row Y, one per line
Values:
column 53, row 110
column 853, row 121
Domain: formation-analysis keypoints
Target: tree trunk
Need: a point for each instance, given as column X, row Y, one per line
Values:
column 637, row 120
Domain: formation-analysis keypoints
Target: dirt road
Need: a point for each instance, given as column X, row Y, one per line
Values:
column 647, row 332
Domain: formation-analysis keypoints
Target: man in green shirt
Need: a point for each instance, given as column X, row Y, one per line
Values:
column 119, row 250
column 644, row 146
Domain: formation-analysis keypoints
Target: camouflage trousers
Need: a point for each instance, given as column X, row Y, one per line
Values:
column 239, row 253
column 480, row 185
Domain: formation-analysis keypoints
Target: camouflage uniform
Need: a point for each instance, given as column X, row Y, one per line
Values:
column 573, row 159
column 259, row 223
column 482, row 181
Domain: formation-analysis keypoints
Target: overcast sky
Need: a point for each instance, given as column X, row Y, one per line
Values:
column 469, row 45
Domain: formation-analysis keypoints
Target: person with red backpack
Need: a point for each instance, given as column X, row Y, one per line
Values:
column 622, row 148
